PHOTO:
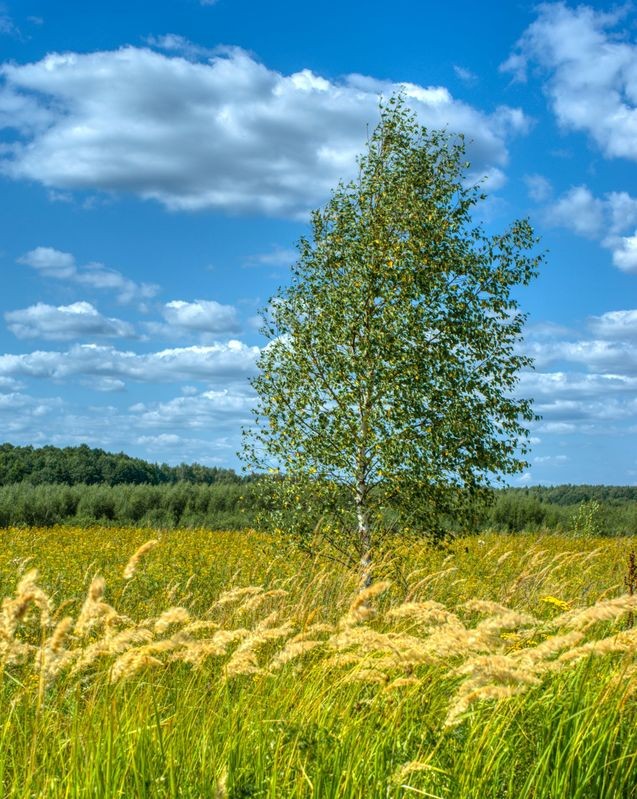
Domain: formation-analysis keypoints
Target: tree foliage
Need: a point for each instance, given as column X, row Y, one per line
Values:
column 84, row 465
column 386, row 391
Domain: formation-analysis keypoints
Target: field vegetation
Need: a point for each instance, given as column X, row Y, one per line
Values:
column 587, row 510
column 227, row 665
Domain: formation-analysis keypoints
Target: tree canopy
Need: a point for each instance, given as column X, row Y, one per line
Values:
column 91, row 466
column 386, row 393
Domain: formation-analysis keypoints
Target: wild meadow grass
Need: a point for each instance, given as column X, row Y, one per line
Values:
column 200, row 664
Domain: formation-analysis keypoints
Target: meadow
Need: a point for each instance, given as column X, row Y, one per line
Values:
column 190, row 663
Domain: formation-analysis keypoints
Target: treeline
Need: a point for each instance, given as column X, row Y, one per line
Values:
column 219, row 506
column 83, row 465
column 80, row 485
column 575, row 494
column 584, row 510
column 235, row 505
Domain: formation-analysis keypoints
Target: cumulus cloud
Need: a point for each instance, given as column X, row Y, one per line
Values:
column 572, row 401
column 625, row 253
column 21, row 413
column 226, row 133
column 611, row 357
column 605, row 219
column 229, row 361
column 65, row 322
column 584, row 384
column 59, row 265
column 8, row 384
column 51, row 262
column 229, row 408
column 590, row 69
column 579, row 211
column 574, row 385
column 615, row 325
column 154, row 433
column 200, row 316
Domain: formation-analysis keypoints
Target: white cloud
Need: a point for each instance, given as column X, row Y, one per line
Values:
column 609, row 357
column 579, row 211
column 625, row 253
column 105, row 384
column 229, row 361
column 559, row 428
column 538, row 187
column 576, row 385
column 21, row 413
column 65, row 322
column 591, row 72
column 593, row 387
column 229, row 408
column 604, row 219
column 555, row 459
column 7, row 25
column 276, row 257
column 29, row 420
column 59, row 265
column 587, row 411
column 583, row 401
column 201, row 316
column 51, row 262
column 228, row 133
column 465, row 75
column 8, row 384
column 174, row 43
column 615, row 324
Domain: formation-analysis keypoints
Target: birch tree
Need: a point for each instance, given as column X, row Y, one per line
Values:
column 386, row 395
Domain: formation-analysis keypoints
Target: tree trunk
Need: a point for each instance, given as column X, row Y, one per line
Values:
column 364, row 535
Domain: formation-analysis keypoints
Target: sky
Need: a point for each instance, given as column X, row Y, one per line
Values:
column 158, row 162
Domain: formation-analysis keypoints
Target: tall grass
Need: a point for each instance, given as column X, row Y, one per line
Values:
column 224, row 665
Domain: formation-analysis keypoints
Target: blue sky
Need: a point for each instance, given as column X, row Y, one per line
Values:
column 158, row 162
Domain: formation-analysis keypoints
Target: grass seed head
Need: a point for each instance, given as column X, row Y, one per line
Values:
column 131, row 566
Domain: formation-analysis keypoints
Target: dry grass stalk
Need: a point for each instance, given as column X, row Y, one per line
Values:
column 360, row 610
column 53, row 657
column 93, row 609
column 110, row 645
column 424, row 614
column 604, row 610
column 129, row 664
column 131, row 566
column 197, row 652
column 255, row 602
column 291, row 651
column 235, row 594
column 169, row 618
column 468, row 695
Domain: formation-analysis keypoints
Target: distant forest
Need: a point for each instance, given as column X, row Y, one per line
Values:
column 83, row 465
column 79, row 485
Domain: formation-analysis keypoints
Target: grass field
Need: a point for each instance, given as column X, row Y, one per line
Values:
column 226, row 665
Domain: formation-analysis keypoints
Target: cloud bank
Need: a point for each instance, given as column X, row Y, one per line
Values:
column 80, row 319
column 58, row 265
column 229, row 361
column 590, row 71
column 223, row 133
